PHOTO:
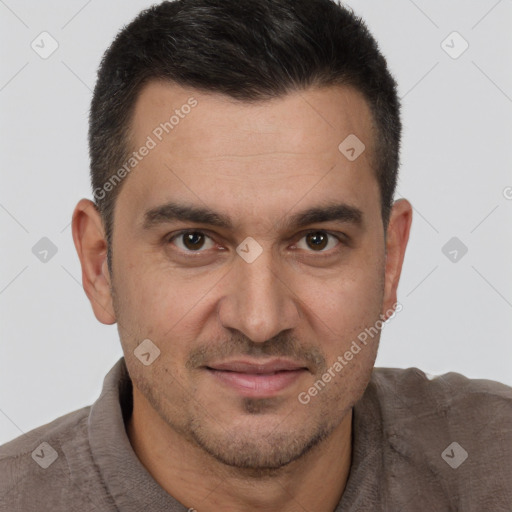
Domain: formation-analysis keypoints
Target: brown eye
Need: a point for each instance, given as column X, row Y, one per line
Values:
column 191, row 241
column 317, row 241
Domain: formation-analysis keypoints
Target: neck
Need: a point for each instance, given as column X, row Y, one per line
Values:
column 316, row 481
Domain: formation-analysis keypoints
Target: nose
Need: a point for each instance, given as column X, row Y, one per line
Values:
column 259, row 300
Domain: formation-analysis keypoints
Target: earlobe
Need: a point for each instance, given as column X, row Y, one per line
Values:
column 91, row 246
column 396, row 243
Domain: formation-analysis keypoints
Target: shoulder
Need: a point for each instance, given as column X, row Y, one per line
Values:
column 416, row 379
column 37, row 461
column 471, row 408
column 57, row 430
column 450, row 394
column 451, row 432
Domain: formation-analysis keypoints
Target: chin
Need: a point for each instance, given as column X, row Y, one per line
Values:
column 258, row 449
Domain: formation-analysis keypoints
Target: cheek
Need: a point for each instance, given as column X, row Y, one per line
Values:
column 141, row 299
column 341, row 308
column 161, row 304
column 353, row 292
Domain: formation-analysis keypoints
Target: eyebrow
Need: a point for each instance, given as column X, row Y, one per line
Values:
column 173, row 211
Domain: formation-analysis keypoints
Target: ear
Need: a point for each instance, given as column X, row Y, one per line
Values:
column 91, row 246
column 396, row 242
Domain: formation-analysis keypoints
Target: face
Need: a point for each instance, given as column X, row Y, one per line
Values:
column 251, row 252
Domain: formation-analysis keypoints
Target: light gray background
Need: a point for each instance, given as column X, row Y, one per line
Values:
column 456, row 167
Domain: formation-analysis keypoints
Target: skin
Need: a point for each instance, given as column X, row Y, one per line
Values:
column 201, row 440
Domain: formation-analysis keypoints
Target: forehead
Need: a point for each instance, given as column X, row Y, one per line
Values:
column 302, row 121
column 266, row 154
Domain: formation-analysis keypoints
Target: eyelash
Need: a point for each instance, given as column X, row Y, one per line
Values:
column 169, row 240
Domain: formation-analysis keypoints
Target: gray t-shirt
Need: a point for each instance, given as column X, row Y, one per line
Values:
column 419, row 444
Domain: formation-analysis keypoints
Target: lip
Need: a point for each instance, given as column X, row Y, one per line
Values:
column 257, row 379
column 259, row 367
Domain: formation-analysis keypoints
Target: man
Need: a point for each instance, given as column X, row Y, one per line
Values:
column 244, row 238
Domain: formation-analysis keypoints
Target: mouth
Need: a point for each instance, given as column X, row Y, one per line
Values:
column 257, row 379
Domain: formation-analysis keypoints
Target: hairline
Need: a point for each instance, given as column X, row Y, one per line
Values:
column 127, row 132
